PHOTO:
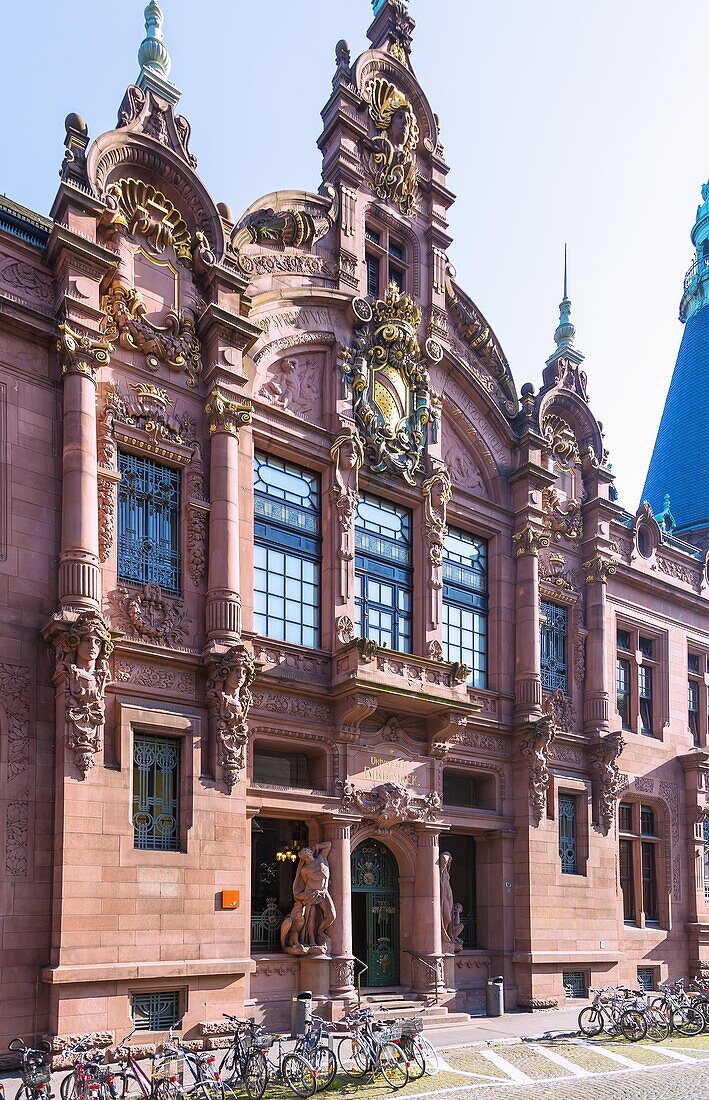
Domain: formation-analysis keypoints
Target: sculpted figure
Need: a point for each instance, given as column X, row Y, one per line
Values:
column 348, row 455
column 229, row 699
column 83, row 649
column 451, row 925
column 436, row 494
column 305, row 930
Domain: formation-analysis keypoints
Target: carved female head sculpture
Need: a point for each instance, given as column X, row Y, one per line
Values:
column 88, row 642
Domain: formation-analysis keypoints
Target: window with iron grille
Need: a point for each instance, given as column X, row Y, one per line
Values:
column 465, row 603
column 287, row 551
column 575, row 983
column 554, row 646
column 148, row 523
column 646, row 978
column 383, row 576
column 155, row 1011
column 156, row 792
column 567, row 834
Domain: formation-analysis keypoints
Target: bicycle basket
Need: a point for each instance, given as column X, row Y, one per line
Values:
column 414, row 1026
column 165, row 1068
column 36, row 1076
column 388, row 1033
column 259, row 1040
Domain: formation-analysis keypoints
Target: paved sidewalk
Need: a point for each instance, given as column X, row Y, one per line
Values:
column 513, row 1025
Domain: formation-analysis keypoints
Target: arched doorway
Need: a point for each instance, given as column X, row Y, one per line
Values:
column 375, row 912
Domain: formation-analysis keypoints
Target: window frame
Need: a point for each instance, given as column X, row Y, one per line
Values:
column 555, row 684
column 387, row 572
column 698, row 677
column 631, row 652
column 380, row 250
column 641, row 844
column 177, row 472
column 471, row 600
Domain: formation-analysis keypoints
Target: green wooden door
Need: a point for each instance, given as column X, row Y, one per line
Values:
column 375, row 912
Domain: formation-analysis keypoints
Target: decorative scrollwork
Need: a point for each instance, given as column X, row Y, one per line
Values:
column 137, row 207
column 82, row 354
column 536, row 749
column 611, row 781
column 599, row 568
column 393, row 164
column 173, row 343
column 225, row 415
column 529, row 541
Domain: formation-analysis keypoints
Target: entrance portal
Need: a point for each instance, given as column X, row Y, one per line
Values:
column 375, row 912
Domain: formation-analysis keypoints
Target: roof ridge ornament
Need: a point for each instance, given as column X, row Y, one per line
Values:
column 392, row 29
column 153, row 53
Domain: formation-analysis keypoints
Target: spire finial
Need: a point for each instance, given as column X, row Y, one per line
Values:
column 564, row 335
column 152, row 54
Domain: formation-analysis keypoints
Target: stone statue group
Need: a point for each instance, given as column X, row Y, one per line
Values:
column 305, row 931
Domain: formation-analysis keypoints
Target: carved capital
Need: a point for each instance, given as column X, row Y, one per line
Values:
column 598, row 568
column 81, row 354
column 228, row 695
column 225, row 415
column 529, row 541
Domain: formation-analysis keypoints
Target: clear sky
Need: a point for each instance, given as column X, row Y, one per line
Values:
column 562, row 120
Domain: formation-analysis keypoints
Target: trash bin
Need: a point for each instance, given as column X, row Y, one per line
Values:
column 301, row 1011
column 495, row 997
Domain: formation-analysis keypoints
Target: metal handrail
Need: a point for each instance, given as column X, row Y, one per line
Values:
column 358, row 979
column 429, row 966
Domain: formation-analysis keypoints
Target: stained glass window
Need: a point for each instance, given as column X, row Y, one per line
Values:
column 287, row 551
column 465, row 603
column 148, row 523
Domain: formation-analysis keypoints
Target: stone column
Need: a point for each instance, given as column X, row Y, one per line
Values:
column 596, row 700
column 226, row 415
column 427, row 912
column 528, row 684
column 338, row 832
column 79, row 570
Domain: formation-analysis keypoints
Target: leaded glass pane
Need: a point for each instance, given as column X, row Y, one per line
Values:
column 554, row 646
column 626, row 880
column 649, row 882
column 465, row 603
column 148, row 523
column 155, row 1011
column 567, row 834
column 287, row 551
column 383, row 580
column 156, row 792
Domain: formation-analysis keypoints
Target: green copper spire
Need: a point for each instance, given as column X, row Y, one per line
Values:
column 696, row 281
column 153, row 54
column 564, row 335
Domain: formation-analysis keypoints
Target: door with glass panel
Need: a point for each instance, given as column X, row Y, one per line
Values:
column 375, row 913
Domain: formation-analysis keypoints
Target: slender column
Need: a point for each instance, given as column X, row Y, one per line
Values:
column 427, row 911
column 225, row 416
column 596, row 707
column 528, row 684
column 79, row 571
column 338, row 832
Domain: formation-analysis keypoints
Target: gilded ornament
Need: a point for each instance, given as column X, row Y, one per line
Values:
column 393, row 162
column 136, row 207
column 225, row 415
column 81, row 354
column 529, row 541
column 173, row 343
column 561, row 441
column 599, row 568
column 564, row 520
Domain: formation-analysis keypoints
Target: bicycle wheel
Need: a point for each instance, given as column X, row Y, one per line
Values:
column 299, row 1075
column 633, row 1025
column 590, row 1021
column 658, row 1026
column 414, row 1057
column 127, row 1085
column 391, row 1062
column 430, row 1054
column 67, row 1087
column 255, row 1074
column 167, row 1090
column 688, row 1021
column 325, row 1065
column 353, row 1057
column 228, row 1066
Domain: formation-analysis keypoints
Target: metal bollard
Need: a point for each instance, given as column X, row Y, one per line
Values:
column 301, row 1011
column 495, row 997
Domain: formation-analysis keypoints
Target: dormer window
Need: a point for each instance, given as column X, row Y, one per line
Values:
column 385, row 261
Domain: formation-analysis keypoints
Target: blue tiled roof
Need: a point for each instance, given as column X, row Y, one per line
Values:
column 681, row 456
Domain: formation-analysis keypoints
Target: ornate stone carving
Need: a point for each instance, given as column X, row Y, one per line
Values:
column 463, row 469
column 82, row 354
column 347, row 454
column 393, row 163
column 106, row 515
column 305, row 931
column 173, row 343
column 670, row 792
column 564, row 520
column 289, row 228
column 390, row 804
column 345, row 629
column 553, row 571
column 677, row 878
column 17, row 836
column 29, row 280
column 611, row 782
column 529, row 541
column 148, row 408
column 14, row 700
column 578, row 642
column 148, row 615
column 343, row 76
column 155, row 677
column 197, row 518
column 536, row 750
column 644, row 783
column 434, row 650
column 229, row 699
column 294, row 705
column 436, row 495
column 226, row 415
column 295, row 384
column 599, row 568
column 83, row 644
column 342, row 973
column 391, row 391
column 560, row 709
column 451, row 924
column 561, row 440
column 136, row 207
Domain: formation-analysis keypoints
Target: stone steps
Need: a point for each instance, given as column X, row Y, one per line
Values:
column 388, row 1004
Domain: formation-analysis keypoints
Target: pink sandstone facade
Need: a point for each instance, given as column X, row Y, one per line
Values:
column 318, row 345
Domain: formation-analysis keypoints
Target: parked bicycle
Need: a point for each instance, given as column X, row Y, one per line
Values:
column 206, row 1081
column 163, row 1082
column 245, row 1060
column 292, row 1069
column 35, row 1073
column 421, row 1054
column 615, row 1010
column 313, row 1047
column 677, row 1008
column 90, row 1078
column 372, row 1049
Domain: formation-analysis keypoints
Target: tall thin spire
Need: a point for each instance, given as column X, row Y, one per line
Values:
column 153, row 53
column 564, row 335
